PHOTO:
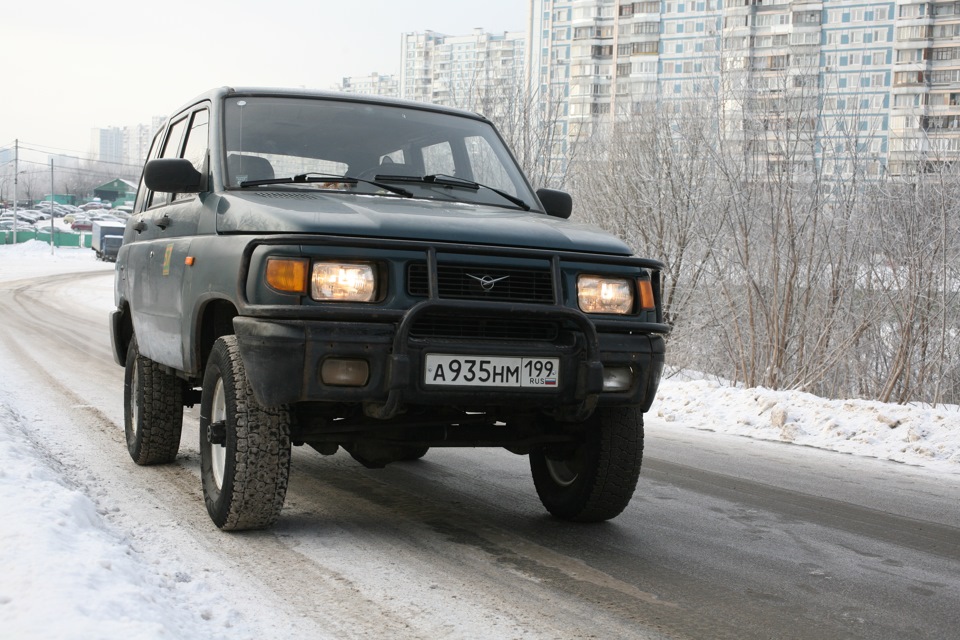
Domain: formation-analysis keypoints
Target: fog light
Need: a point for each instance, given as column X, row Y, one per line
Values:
column 340, row 372
column 617, row 378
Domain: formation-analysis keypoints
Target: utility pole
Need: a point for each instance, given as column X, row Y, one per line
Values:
column 52, row 192
column 16, row 175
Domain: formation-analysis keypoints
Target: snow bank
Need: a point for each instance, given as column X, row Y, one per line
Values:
column 67, row 574
column 915, row 434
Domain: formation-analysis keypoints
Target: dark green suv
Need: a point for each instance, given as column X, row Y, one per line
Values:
column 378, row 275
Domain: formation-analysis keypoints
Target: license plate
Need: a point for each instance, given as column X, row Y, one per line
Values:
column 487, row 371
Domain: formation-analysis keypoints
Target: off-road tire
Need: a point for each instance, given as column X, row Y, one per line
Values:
column 245, row 478
column 152, row 408
column 595, row 480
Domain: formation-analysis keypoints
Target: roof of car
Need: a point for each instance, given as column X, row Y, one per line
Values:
column 222, row 92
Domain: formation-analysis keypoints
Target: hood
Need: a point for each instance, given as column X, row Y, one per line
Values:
column 372, row 216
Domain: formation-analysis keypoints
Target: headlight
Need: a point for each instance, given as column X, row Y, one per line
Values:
column 343, row 282
column 597, row 294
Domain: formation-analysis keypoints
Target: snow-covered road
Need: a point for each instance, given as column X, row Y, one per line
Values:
column 728, row 536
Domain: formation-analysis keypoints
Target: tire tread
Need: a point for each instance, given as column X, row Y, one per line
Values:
column 262, row 462
column 156, row 440
column 614, row 453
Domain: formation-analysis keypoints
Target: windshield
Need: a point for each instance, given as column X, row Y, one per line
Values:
column 271, row 138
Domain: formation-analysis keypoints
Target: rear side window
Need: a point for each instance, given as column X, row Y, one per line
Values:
column 487, row 168
column 438, row 158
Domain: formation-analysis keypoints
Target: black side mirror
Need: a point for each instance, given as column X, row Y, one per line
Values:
column 172, row 175
column 556, row 203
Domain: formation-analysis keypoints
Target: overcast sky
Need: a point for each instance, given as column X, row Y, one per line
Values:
column 71, row 66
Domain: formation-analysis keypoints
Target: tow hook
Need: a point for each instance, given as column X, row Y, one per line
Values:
column 217, row 432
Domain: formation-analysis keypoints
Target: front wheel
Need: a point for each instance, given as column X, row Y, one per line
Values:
column 244, row 446
column 593, row 480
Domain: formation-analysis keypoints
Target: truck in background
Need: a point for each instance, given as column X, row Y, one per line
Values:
column 107, row 238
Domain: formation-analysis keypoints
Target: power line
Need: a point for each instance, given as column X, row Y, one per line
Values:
column 43, row 148
column 79, row 155
column 135, row 167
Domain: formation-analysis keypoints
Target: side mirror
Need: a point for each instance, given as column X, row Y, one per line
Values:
column 172, row 175
column 556, row 203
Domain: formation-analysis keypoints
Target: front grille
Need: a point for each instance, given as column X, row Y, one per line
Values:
column 483, row 283
column 480, row 328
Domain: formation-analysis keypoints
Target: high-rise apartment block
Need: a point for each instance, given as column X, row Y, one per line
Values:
column 107, row 145
column 374, row 84
column 126, row 147
column 857, row 85
column 479, row 71
column 865, row 82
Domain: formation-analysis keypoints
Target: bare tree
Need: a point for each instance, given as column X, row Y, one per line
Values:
column 647, row 178
column 788, row 266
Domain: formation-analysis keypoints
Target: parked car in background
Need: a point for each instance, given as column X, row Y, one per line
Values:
column 56, row 211
column 28, row 215
column 82, row 224
column 112, row 217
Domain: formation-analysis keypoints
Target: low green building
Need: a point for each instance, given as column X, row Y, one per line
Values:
column 118, row 192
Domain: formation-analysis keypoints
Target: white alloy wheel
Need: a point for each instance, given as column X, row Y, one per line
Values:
column 244, row 470
column 218, row 452
column 564, row 471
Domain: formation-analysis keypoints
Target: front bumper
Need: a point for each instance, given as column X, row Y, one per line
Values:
column 285, row 345
column 283, row 359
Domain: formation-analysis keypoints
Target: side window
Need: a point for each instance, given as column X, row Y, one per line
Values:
column 438, row 158
column 487, row 168
column 142, row 190
column 195, row 149
column 171, row 149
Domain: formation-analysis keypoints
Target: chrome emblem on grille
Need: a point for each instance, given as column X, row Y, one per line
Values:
column 487, row 282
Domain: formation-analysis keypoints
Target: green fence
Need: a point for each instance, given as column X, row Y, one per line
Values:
column 60, row 238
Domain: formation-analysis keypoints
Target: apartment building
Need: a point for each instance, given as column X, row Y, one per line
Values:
column 106, row 145
column 374, row 84
column 124, row 145
column 925, row 96
column 857, row 83
column 479, row 71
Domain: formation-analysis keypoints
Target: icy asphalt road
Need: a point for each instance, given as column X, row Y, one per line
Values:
column 726, row 537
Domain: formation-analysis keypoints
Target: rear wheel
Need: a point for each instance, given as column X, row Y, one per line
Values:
column 595, row 479
column 244, row 446
column 153, row 409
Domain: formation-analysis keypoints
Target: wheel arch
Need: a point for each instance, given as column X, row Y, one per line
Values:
column 121, row 333
column 214, row 320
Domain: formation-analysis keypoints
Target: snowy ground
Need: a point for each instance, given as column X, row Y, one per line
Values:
column 66, row 573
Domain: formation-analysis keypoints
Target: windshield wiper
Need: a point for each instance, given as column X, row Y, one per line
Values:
column 312, row 177
column 445, row 180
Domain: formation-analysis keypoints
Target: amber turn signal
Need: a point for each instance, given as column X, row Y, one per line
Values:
column 288, row 275
column 647, row 303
